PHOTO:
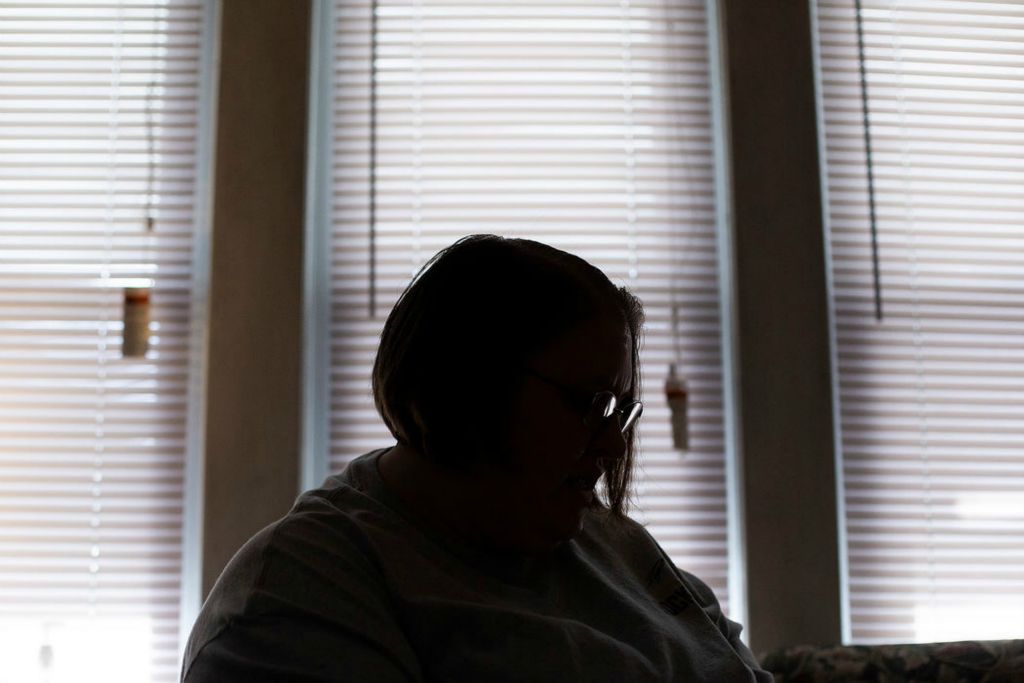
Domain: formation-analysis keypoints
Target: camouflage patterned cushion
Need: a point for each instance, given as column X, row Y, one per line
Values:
column 994, row 661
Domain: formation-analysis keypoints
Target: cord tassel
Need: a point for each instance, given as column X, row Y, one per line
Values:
column 677, row 398
column 135, row 340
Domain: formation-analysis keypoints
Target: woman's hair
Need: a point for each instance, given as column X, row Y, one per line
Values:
column 452, row 350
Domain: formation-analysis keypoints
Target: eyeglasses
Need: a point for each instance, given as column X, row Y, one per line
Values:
column 602, row 406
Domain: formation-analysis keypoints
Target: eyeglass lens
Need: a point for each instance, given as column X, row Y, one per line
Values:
column 605, row 405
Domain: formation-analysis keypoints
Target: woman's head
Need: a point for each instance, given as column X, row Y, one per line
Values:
column 455, row 376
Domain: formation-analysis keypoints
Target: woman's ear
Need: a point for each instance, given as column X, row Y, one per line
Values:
column 422, row 441
column 417, row 417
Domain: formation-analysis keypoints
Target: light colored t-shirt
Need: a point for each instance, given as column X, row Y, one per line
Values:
column 348, row 587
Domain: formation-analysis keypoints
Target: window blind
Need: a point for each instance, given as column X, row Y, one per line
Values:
column 584, row 124
column 98, row 125
column 931, row 397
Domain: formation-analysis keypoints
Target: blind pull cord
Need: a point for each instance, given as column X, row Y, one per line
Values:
column 372, row 289
column 138, row 299
column 865, row 113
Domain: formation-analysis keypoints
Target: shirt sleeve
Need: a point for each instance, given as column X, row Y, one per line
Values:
column 273, row 648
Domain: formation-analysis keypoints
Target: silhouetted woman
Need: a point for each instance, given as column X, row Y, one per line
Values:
column 491, row 543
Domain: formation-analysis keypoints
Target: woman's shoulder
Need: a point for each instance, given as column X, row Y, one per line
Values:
column 319, row 544
column 327, row 532
column 633, row 546
column 618, row 532
column 332, row 519
column 306, row 585
column 619, row 543
column 313, row 563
